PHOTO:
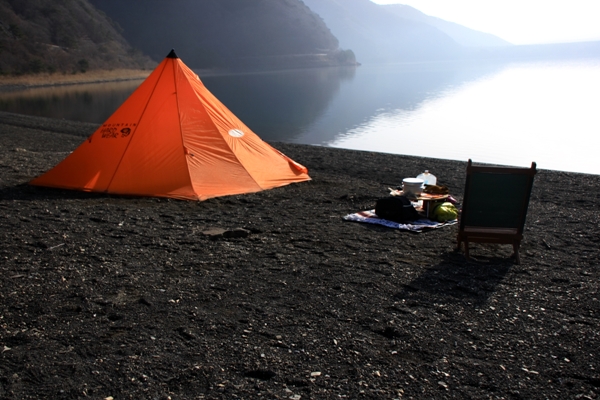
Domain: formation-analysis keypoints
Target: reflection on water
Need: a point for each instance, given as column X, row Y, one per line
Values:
column 86, row 102
column 498, row 113
column 380, row 89
column 280, row 106
column 543, row 112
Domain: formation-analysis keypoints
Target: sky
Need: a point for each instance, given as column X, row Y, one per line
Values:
column 519, row 21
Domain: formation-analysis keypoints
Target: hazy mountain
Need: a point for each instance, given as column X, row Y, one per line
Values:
column 461, row 34
column 227, row 33
column 376, row 34
column 399, row 33
column 61, row 36
column 76, row 35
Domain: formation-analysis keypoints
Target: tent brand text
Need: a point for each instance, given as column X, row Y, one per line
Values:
column 113, row 131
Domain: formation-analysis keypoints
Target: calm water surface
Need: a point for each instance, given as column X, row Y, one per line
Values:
column 509, row 114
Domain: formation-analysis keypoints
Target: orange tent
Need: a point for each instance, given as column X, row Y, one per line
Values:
column 173, row 138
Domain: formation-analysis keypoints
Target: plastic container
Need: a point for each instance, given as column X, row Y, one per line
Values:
column 412, row 186
column 428, row 178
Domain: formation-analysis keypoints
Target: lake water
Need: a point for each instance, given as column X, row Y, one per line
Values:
column 510, row 114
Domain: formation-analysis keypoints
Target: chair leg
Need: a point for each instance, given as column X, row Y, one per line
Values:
column 459, row 241
column 516, row 252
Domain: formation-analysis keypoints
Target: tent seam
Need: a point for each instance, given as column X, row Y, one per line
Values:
column 134, row 131
column 183, row 143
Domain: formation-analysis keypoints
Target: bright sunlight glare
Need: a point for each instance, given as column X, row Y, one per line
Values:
column 518, row 21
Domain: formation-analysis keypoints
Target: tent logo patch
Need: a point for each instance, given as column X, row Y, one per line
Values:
column 112, row 131
column 236, row 133
column 109, row 132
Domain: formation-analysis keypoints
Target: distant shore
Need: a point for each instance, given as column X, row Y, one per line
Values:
column 57, row 79
column 9, row 83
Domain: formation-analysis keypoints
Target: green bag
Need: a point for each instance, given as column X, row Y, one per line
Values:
column 445, row 212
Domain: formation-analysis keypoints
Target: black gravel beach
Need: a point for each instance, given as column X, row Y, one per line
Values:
column 273, row 295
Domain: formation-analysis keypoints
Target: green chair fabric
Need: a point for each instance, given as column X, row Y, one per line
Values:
column 494, row 206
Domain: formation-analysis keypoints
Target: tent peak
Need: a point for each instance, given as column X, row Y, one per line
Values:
column 172, row 54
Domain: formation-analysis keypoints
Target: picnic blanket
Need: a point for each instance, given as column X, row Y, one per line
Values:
column 420, row 225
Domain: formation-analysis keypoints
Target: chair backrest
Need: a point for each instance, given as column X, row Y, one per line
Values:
column 496, row 197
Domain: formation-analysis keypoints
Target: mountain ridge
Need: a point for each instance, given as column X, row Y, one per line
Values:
column 462, row 35
column 75, row 36
column 70, row 36
column 395, row 33
column 376, row 35
column 230, row 34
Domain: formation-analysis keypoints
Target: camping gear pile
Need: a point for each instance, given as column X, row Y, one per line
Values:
column 416, row 212
column 430, row 201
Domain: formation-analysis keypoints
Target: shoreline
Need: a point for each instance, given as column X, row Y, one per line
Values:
column 48, row 84
column 8, row 83
column 75, row 128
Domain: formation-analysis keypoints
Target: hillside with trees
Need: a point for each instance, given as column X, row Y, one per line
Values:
column 70, row 36
column 73, row 36
column 228, row 34
column 67, row 36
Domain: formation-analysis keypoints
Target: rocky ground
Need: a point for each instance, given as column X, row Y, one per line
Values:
column 273, row 295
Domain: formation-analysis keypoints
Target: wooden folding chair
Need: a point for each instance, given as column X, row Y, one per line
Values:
column 495, row 206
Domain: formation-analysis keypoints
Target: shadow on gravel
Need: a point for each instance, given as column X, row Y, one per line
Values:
column 26, row 192
column 455, row 279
